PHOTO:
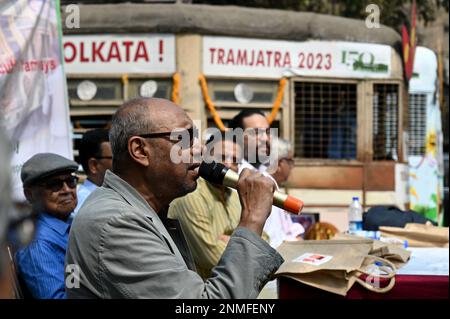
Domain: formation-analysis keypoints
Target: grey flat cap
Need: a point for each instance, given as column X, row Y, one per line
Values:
column 45, row 164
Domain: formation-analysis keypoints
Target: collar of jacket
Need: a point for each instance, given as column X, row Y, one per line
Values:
column 135, row 199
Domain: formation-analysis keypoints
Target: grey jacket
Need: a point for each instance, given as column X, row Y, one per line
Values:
column 123, row 250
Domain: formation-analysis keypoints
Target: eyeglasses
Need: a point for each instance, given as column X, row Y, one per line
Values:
column 55, row 185
column 176, row 136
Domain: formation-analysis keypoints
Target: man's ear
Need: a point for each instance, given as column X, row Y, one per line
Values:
column 139, row 151
column 28, row 192
column 92, row 164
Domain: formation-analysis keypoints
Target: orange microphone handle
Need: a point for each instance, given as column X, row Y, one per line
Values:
column 293, row 205
column 287, row 202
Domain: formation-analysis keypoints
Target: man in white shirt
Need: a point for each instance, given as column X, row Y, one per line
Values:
column 279, row 226
column 96, row 158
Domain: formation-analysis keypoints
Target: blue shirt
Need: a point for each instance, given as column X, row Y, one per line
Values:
column 41, row 264
column 84, row 190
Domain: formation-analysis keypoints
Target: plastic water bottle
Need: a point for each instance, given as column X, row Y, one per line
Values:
column 355, row 216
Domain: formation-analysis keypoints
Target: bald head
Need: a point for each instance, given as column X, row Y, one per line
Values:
column 144, row 159
column 140, row 116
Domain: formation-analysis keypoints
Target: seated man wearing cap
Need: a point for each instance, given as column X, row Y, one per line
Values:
column 50, row 186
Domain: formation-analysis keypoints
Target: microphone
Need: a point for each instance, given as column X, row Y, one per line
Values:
column 217, row 173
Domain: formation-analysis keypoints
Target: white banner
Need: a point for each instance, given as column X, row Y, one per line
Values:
column 426, row 170
column 152, row 53
column 33, row 103
column 424, row 72
column 223, row 56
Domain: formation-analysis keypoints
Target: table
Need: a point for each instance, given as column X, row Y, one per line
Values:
column 406, row 287
column 425, row 276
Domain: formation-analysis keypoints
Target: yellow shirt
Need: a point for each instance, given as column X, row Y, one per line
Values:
column 204, row 215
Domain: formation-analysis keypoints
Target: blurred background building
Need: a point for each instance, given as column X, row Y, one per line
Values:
column 353, row 129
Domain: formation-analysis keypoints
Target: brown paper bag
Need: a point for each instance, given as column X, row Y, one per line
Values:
column 335, row 265
column 392, row 252
column 418, row 235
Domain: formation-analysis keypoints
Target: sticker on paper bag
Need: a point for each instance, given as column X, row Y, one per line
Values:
column 312, row 259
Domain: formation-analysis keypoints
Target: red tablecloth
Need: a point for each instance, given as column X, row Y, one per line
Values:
column 406, row 287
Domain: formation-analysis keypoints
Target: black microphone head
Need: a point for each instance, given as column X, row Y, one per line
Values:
column 213, row 172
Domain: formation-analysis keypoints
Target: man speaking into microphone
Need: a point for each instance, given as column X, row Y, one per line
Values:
column 119, row 240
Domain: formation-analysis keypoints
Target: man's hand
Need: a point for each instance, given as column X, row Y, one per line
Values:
column 256, row 196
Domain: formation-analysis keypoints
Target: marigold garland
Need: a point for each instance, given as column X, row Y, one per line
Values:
column 175, row 88
column 215, row 115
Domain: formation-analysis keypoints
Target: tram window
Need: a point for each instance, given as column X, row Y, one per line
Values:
column 232, row 96
column 385, row 121
column 81, row 124
column 94, row 100
column 149, row 88
column 325, row 120
column 99, row 89
column 243, row 92
column 417, row 123
column 211, row 123
column 222, row 95
column 261, row 97
column 85, row 123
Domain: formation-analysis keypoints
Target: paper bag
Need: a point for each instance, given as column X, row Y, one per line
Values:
column 335, row 265
column 392, row 252
column 418, row 235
